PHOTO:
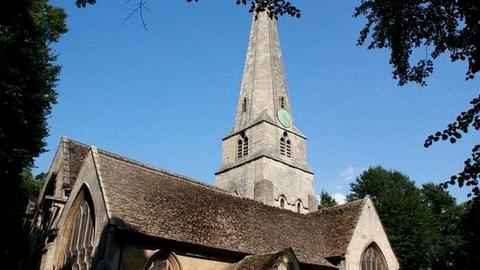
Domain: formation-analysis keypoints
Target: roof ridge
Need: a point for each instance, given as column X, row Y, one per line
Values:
column 176, row 175
column 336, row 207
column 75, row 141
column 184, row 178
column 145, row 165
column 159, row 170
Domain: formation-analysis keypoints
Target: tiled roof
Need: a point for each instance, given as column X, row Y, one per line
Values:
column 77, row 152
column 261, row 261
column 160, row 204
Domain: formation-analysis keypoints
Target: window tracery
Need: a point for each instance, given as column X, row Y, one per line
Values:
column 245, row 146
column 239, row 148
column 163, row 260
column 373, row 259
column 285, row 146
column 242, row 146
column 79, row 234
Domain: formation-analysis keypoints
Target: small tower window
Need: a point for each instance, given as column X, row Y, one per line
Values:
column 242, row 146
column 245, row 146
column 282, row 202
column 244, row 105
column 299, row 206
column 239, row 148
column 282, row 102
column 289, row 150
column 285, row 146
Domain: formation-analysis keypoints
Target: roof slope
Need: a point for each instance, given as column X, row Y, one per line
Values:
column 255, row 262
column 164, row 205
column 263, row 261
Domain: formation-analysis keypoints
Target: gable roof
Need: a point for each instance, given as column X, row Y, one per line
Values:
column 165, row 205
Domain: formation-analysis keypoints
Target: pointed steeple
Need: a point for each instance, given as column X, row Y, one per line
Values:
column 265, row 156
column 264, row 87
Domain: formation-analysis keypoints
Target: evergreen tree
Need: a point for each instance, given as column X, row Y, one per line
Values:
column 28, row 77
column 470, row 231
column 446, row 241
column 402, row 210
column 326, row 200
column 439, row 27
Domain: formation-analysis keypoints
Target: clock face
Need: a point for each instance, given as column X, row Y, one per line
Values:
column 284, row 118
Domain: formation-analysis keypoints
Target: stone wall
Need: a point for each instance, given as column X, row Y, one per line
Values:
column 264, row 139
column 135, row 257
column 369, row 230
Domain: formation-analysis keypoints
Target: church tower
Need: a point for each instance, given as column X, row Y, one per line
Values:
column 264, row 156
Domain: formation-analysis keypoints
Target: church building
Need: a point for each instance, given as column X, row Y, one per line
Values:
column 100, row 210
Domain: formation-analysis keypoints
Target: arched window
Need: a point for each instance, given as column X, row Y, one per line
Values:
column 162, row 260
column 282, row 201
column 373, row 259
column 282, row 146
column 285, row 146
column 79, row 234
column 242, row 146
column 299, row 206
column 289, row 149
column 245, row 146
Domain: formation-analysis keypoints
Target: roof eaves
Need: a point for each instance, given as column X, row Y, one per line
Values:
column 98, row 167
column 363, row 203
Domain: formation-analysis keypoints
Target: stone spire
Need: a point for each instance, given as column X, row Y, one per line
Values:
column 264, row 88
column 265, row 156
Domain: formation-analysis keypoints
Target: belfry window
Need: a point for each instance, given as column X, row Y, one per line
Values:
column 373, row 259
column 245, row 146
column 285, row 146
column 79, row 233
column 244, row 105
column 242, row 146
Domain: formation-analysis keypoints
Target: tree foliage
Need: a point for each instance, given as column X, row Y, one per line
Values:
column 470, row 174
column 425, row 226
column 444, row 26
column 403, row 213
column 326, row 200
column 470, row 231
column 445, row 239
column 447, row 26
column 438, row 200
column 28, row 76
column 404, row 26
column 455, row 239
column 30, row 186
column 274, row 8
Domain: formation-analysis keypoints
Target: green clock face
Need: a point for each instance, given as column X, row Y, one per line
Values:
column 284, row 118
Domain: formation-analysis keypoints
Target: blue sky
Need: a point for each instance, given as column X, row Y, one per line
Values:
column 167, row 96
